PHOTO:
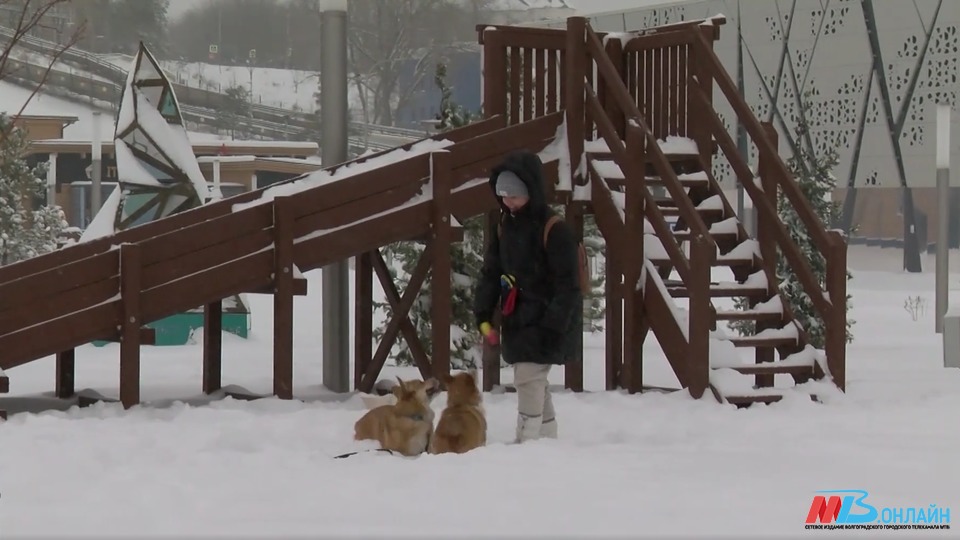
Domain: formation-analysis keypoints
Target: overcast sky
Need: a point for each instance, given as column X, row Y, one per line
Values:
column 179, row 7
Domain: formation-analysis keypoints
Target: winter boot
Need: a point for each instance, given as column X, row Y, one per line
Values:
column 528, row 428
column 548, row 429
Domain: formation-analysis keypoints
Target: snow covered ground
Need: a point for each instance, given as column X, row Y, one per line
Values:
column 651, row 464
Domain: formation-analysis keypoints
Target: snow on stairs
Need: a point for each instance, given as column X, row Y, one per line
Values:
column 736, row 380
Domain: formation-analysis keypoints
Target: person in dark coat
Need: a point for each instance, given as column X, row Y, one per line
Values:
column 537, row 286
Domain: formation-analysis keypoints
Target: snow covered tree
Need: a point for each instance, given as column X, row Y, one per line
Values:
column 236, row 106
column 27, row 227
column 594, row 308
column 814, row 176
column 466, row 259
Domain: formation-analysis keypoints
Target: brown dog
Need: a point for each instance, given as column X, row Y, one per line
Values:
column 406, row 426
column 463, row 423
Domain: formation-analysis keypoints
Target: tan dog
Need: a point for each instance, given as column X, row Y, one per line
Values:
column 463, row 423
column 406, row 426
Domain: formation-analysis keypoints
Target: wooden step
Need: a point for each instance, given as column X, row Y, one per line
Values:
column 686, row 235
column 746, row 401
column 771, row 337
column 711, row 214
column 749, row 315
column 762, row 342
column 768, row 310
column 611, row 172
column 772, row 368
column 717, row 290
column 741, row 255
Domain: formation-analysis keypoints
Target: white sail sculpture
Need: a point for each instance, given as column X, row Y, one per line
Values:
column 157, row 172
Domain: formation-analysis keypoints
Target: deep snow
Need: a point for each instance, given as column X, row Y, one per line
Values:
column 650, row 464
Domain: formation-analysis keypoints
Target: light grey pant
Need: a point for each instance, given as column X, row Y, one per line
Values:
column 537, row 417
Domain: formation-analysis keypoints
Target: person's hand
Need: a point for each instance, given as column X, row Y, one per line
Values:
column 489, row 333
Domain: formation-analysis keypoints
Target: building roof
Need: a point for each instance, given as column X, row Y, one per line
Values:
column 63, row 119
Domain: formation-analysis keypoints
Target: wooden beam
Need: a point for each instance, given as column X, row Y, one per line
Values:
column 491, row 354
column 299, row 288
column 400, row 305
column 66, row 374
column 130, row 268
column 212, row 346
column 363, row 316
column 441, row 297
column 573, row 369
column 283, row 298
column 148, row 336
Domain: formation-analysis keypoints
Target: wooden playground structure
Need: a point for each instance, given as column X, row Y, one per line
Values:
column 599, row 109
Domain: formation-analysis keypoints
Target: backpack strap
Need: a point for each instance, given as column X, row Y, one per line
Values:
column 546, row 229
column 553, row 220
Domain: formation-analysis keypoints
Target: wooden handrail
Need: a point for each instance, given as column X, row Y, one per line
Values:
column 766, row 209
column 652, row 211
column 790, row 188
column 626, row 104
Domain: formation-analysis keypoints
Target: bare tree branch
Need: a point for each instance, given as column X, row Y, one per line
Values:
column 26, row 23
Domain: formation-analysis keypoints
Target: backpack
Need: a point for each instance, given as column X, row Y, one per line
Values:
column 582, row 260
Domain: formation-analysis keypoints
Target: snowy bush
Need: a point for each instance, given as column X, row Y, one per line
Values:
column 28, row 227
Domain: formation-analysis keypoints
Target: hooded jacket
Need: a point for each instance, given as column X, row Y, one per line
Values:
column 547, row 318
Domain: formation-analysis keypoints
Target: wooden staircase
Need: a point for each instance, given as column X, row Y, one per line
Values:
column 642, row 146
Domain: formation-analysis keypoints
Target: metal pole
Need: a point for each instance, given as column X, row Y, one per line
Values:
column 742, row 144
column 95, row 168
column 333, row 132
column 52, row 179
column 943, row 211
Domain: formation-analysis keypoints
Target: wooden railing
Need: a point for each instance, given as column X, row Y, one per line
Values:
column 646, row 86
column 631, row 156
column 832, row 307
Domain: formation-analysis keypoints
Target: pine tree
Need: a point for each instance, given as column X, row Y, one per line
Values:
column 466, row 259
column 27, row 227
column 814, row 176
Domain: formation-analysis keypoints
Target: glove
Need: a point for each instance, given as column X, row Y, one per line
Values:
column 489, row 333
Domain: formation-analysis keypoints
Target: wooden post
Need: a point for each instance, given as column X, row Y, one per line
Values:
column 491, row 355
column 633, row 260
column 705, row 80
column 441, row 291
column 576, row 58
column 130, row 270
column 836, row 319
column 212, row 346
column 768, row 250
column 702, row 253
column 363, row 317
column 283, row 298
column 613, row 325
column 614, row 50
column 573, row 369
column 66, row 373
column 494, row 74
